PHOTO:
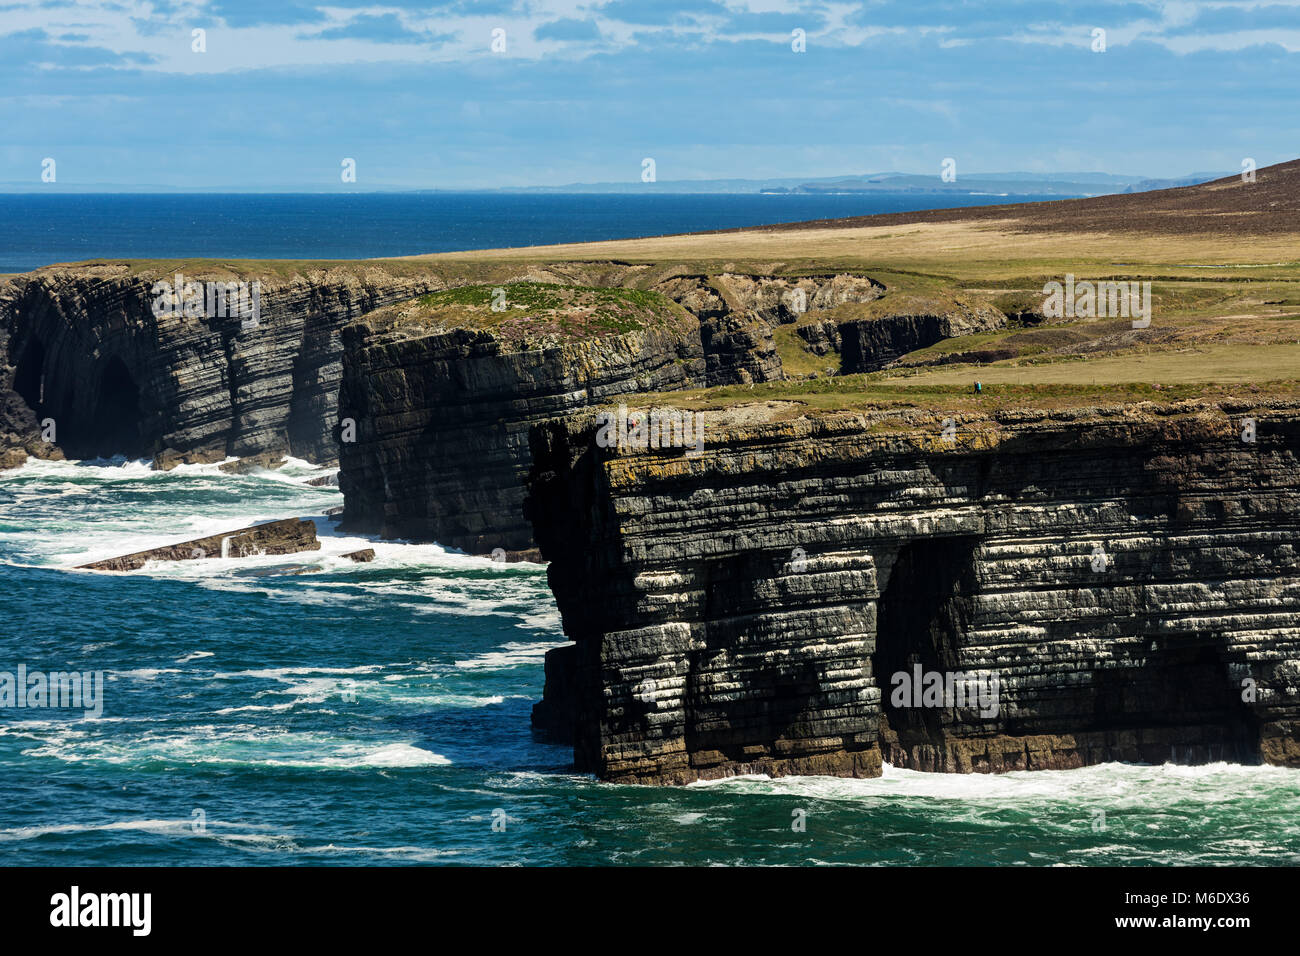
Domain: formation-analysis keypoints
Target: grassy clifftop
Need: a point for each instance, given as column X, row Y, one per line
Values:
column 533, row 314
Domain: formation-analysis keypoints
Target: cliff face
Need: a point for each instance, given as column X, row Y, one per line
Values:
column 81, row 345
column 1106, row 584
column 442, row 421
column 85, row 349
column 868, row 345
column 737, row 313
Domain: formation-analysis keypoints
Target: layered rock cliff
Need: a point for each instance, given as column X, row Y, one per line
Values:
column 871, row 344
column 440, row 450
column 84, row 348
column 1118, row 583
column 442, row 414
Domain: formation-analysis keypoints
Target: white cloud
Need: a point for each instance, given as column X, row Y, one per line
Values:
column 134, row 27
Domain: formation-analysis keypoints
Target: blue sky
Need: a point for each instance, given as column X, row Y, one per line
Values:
column 113, row 91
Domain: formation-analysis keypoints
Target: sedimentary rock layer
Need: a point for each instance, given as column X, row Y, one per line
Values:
column 442, row 421
column 868, row 345
column 1127, row 578
column 441, row 445
column 84, row 349
column 286, row 536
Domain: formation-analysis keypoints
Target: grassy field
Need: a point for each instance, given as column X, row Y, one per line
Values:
column 533, row 314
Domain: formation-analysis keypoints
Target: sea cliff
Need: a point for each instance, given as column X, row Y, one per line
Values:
column 85, row 348
column 1126, row 578
column 443, row 390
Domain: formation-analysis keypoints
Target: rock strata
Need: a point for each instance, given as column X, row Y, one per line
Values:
column 442, row 421
column 287, row 536
column 442, row 416
column 1124, row 583
column 84, row 348
column 868, row 345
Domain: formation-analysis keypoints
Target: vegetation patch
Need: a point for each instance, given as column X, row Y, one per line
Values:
column 526, row 315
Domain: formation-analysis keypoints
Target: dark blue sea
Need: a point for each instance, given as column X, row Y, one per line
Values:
column 308, row 710
column 37, row 230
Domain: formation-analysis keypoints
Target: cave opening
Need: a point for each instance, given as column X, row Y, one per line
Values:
column 113, row 424
column 29, row 377
column 922, row 617
column 1183, row 688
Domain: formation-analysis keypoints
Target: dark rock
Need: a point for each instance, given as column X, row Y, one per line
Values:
column 265, row 461
column 738, row 348
column 324, row 481
column 868, row 345
column 442, row 419
column 1128, row 576
column 823, row 337
column 362, row 556
column 87, row 351
column 286, row 536
column 530, row 555
column 442, row 424
column 169, row 458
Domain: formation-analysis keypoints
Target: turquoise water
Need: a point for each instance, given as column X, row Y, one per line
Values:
column 306, row 710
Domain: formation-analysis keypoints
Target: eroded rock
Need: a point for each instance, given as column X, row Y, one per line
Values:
column 265, row 461
column 286, row 536
column 1129, row 576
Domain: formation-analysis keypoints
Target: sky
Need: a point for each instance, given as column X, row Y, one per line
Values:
column 116, row 92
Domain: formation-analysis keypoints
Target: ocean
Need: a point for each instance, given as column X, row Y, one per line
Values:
column 37, row 230
column 303, row 709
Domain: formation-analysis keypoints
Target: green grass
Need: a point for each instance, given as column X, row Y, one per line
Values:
column 1229, row 326
column 532, row 314
column 858, row 393
column 796, row 359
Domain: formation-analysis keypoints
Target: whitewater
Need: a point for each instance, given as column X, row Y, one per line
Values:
column 303, row 709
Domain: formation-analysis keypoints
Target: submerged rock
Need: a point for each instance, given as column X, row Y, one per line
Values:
column 287, row 536
column 265, row 461
column 169, row 458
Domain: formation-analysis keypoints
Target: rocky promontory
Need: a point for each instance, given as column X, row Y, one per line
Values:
column 441, row 391
column 1108, row 582
column 88, row 350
